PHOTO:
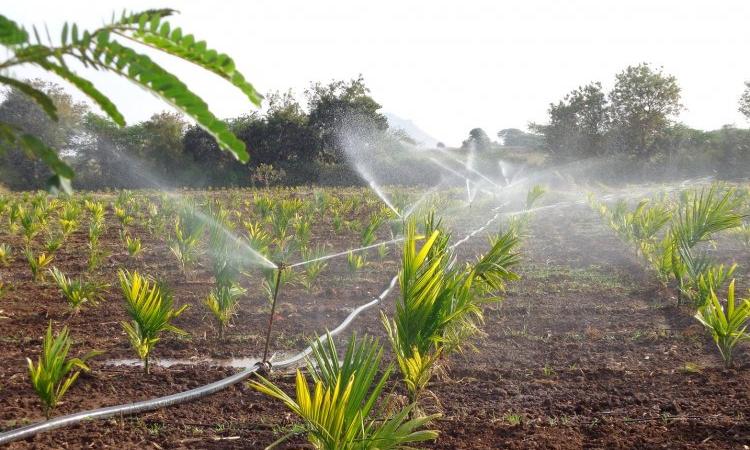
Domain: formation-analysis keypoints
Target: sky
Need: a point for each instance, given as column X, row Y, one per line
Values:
column 447, row 66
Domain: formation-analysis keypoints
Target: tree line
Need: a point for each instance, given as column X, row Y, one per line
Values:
column 636, row 123
column 634, row 127
column 289, row 142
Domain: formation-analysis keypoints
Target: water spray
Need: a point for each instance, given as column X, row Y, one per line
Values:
column 334, row 255
column 202, row 391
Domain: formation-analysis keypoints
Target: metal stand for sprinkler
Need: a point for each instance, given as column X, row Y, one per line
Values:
column 264, row 365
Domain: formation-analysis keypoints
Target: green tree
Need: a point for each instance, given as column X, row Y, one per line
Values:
column 282, row 135
column 20, row 112
column 643, row 104
column 479, row 139
column 339, row 108
column 513, row 137
column 745, row 101
column 103, row 49
column 577, row 124
column 161, row 143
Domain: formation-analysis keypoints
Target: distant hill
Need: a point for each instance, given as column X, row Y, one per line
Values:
column 416, row 133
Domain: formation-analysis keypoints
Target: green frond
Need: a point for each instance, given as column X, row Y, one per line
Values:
column 38, row 96
column 11, row 33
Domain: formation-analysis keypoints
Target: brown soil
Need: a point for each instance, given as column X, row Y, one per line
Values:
column 587, row 351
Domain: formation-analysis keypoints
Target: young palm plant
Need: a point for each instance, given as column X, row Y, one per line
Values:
column 340, row 412
column 150, row 308
column 699, row 217
column 314, row 267
column 37, row 264
column 54, row 373
column 355, row 260
column 223, row 301
column 728, row 325
column 5, row 253
column 187, row 233
column 78, row 293
column 440, row 303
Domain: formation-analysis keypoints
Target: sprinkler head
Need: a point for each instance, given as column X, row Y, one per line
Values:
column 264, row 367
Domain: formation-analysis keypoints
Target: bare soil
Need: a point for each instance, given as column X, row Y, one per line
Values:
column 588, row 350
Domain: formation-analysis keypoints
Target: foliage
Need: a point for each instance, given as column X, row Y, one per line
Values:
column 267, row 174
column 368, row 235
column 223, row 301
column 77, row 292
column 37, row 263
column 133, row 245
column 728, row 325
column 150, row 308
column 5, row 254
column 54, row 373
column 744, row 103
column 440, row 303
column 477, row 140
column 340, row 414
column 577, row 124
column 188, row 229
column 314, row 267
column 102, row 49
column 634, row 119
column 355, row 260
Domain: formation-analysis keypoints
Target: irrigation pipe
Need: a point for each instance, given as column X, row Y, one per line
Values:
column 202, row 391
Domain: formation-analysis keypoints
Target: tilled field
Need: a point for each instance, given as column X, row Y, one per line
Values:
column 588, row 350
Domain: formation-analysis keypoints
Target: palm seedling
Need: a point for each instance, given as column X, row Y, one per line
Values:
column 96, row 253
column 54, row 373
column 533, row 195
column 383, row 251
column 340, row 412
column 699, row 217
column 133, row 245
column 369, row 233
column 314, row 266
column 69, row 217
column 29, row 224
column 355, row 260
column 743, row 232
column 54, row 242
column 337, row 222
column 37, row 264
column 187, row 233
column 728, row 325
column 712, row 279
column 353, row 225
column 223, row 301
column 122, row 216
column 77, row 293
column 149, row 306
column 264, row 206
column 5, row 253
column 96, row 210
column 440, row 303
column 14, row 217
column 273, row 276
column 302, row 228
column 258, row 239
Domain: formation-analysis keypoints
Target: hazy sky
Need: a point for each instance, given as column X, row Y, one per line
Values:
column 448, row 66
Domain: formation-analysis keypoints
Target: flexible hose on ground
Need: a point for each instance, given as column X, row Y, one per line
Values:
column 202, row 391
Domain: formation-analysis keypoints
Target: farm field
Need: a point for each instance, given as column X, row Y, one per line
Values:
column 587, row 349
